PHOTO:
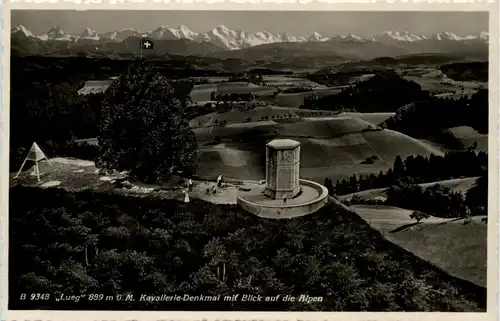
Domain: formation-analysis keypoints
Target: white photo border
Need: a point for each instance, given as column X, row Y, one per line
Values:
column 278, row 5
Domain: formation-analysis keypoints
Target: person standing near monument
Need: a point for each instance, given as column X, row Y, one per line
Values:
column 186, row 195
column 219, row 180
column 190, row 184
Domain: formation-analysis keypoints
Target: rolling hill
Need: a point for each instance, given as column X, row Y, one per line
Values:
column 458, row 248
column 463, row 137
column 333, row 146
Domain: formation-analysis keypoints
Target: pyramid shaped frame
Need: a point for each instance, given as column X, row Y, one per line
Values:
column 35, row 154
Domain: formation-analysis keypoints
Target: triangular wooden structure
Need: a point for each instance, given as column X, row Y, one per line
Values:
column 35, row 154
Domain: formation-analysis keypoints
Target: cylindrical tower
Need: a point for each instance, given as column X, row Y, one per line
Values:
column 282, row 168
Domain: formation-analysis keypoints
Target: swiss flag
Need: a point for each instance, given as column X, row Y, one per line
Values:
column 147, row 44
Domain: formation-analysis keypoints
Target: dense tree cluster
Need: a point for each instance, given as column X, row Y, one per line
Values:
column 45, row 105
column 438, row 114
column 331, row 78
column 467, row 71
column 435, row 200
column 216, row 96
column 477, row 196
column 51, row 114
column 201, row 81
column 269, row 71
column 385, row 92
column 73, row 70
column 252, row 77
column 143, row 129
column 80, row 150
column 417, row 170
column 181, row 89
column 296, row 90
column 88, row 242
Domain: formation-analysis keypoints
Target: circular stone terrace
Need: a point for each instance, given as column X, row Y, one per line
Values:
column 312, row 197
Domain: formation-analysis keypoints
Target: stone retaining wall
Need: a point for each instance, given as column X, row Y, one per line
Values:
column 280, row 211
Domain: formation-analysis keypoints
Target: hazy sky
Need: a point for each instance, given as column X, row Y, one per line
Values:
column 292, row 22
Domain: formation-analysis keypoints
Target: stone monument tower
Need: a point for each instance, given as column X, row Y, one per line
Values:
column 282, row 169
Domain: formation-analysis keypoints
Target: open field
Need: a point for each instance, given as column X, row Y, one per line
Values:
column 243, row 116
column 388, row 219
column 203, row 92
column 465, row 136
column 289, row 81
column 373, row 118
column 94, row 86
column 295, row 100
column 71, row 174
column 438, row 83
column 390, row 143
column 78, row 175
column 461, row 185
column 458, row 248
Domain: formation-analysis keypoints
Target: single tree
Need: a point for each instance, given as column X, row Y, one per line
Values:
column 399, row 167
column 417, row 215
column 329, row 186
column 143, row 130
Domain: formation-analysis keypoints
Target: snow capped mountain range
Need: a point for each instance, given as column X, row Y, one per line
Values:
column 231, row 39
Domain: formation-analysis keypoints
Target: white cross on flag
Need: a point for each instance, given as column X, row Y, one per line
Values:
column 147, row 44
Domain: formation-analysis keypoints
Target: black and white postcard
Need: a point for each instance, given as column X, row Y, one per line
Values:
column 218, row 159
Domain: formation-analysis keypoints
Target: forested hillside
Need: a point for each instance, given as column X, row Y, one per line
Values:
column 102, row 243
column 438, row 114
column 385, row 92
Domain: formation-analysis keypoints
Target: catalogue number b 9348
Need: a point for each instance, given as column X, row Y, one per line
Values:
column 35, row 296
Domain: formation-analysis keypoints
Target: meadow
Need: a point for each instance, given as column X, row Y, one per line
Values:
column 203, row 92
column 465, row 136
column 295, row 100
column 438, row 83
column 458, row 248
